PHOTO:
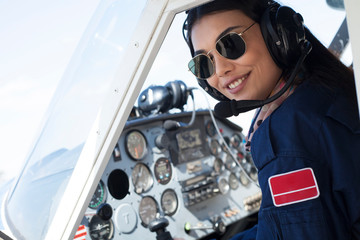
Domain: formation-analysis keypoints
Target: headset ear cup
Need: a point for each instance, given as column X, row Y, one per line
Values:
column 178, row 90
column 292, row 32
column 283, row 30
column 184, row 93
column 270, row 35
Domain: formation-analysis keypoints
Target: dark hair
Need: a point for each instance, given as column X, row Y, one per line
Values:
column 252, row 8
column 320, row 64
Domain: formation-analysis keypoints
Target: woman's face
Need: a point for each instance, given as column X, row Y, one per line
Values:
column 250, row 77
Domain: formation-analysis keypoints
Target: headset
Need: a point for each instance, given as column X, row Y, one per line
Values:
column 174, row 94
column 284, row 35
column 157, row 99
column 283, row 32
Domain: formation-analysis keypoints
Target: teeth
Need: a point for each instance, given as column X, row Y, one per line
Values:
column 236, row 83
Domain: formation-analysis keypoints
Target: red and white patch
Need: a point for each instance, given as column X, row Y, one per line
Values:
column 293, row 187
column 80, row 233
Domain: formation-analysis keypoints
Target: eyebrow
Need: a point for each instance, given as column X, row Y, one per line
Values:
column 226, row 31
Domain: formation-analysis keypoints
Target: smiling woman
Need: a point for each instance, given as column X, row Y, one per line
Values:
column 301, row 91
column 35, row 208
column 258, row 62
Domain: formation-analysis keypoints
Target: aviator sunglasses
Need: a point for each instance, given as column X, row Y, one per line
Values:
column 230, row 46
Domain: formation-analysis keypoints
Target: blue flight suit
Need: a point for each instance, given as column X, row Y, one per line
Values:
column 314, row 128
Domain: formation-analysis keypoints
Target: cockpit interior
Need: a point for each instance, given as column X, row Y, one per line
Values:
column 130, row 147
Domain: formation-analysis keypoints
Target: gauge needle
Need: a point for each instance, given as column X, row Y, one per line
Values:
column 136, row 153
column 138, row 175
column 99, row 227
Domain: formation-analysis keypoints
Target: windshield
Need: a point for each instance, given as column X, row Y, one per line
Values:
column 33, row 201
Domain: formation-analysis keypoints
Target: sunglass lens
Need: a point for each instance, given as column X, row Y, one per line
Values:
column 231, row 46
column 201, row 66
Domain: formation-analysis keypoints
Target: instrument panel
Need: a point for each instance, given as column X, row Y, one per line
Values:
column 186, row 175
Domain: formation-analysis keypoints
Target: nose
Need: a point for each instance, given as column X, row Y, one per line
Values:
column 223, row 66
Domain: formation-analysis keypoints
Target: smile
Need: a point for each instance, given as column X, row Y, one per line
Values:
column 237, row 82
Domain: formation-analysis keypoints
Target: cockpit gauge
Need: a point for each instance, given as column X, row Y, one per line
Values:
column 136, row 145
column 230, row 163
column 215, row 147
column 240, row 156
column 210, row 128
column 225, row 144
column 141, row 178
column 243, row 179
column 169, row 202
column 163, row 170
column 218, row 166
column 253, row 173
column 100, row 229
column 223, row 185
column 99, row 196
column 233, row 181
column 235, row 140
column 148, row 210
column 249, row 167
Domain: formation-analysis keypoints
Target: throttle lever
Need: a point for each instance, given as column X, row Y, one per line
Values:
column 159, row 226
column 218, row 226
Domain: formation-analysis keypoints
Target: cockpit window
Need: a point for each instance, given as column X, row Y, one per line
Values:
column 33, row 202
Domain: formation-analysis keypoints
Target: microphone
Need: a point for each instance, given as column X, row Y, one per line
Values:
column 230, row 108
column 225, row 109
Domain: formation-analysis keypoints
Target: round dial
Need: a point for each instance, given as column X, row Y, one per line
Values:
column 218, row 165
column 233, row 181
column 100, row 229
column 210, row 128
column 253, row 173
column 223, row 185
column 169, row 202
column 215, row 147
column 136, row 145
column 148, row 209
column 141, row 178
column 98, row 196
column 162, row 170
column 229, row 162
column 243, row 179
column 235, row 140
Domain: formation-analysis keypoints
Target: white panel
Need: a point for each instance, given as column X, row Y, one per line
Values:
column 96, row 152
column 112, row 117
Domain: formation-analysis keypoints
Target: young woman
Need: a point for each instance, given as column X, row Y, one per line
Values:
column 305, row 136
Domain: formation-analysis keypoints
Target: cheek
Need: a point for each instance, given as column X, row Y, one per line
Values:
column 268, row 68
column 264, row 72
column 264, row 63
column 268, row 76
column 213, row 81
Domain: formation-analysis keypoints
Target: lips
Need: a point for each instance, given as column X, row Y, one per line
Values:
column 234, row 84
